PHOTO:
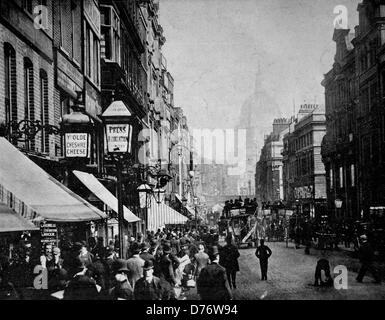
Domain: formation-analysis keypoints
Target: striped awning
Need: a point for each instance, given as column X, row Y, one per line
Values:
column 34, row 194
column 159, row 215
column 10, row 221
column 104, row 195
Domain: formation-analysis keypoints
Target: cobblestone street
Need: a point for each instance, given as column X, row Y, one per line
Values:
column 291, row 276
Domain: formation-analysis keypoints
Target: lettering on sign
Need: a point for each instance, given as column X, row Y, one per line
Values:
column 76, row 145
column 118, row 137
column 48, row 233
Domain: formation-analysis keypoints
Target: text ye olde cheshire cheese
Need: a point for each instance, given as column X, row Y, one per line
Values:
column 76, row 144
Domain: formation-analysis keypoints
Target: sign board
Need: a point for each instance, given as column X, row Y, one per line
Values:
column 289, row 213
column 48, row 233
column 118, row 137
column 76, row 145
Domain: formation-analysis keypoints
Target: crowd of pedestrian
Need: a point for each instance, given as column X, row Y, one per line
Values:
column 163, row 265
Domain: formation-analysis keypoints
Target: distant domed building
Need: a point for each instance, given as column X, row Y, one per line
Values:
column 256, row 116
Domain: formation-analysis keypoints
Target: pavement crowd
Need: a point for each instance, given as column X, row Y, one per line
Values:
column 167, row 265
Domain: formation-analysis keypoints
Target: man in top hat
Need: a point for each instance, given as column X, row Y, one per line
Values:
column 135, row 264
column 366, row 255
column 167, row 264
column 229, row 260
column 212, row 283
column 122, row 289
column 263, row 253
column 144, row 252
column 150, row 287
column 81, row 286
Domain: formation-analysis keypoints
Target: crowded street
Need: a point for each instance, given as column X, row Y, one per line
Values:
column 291, row 277
column 211, row 150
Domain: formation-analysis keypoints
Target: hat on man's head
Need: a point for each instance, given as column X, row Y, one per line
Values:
column 144, row 246
column 120, row 265
column 135, row 248
column 78, row 245
column 213, row 252
column 166, row 248
column 363, row 237
column 148, row 264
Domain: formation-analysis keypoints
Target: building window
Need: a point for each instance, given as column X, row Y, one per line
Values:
column 92, row 55
column 29, row 111
column 341, row 177
column 331, row 178
column 27, row 5
column 111, row 37
column 375, row 149
column 44, row 111
column 365, row 102
column 10, row 83
column 352, row 175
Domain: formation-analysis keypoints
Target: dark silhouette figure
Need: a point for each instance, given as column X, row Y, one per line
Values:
column 263, row 253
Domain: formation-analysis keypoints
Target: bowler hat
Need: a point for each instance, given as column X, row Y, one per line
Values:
column 213, row 251
column 144, row 246
column 135, row 248
column 148, row 264
column 363, row 237
column 121, row 266
column 166, row 248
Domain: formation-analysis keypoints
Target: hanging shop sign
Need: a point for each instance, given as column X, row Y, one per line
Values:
column 77, row 145
column 118, row 137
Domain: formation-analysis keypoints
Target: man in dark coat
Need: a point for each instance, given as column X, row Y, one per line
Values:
column 229, row 260
column 323, row 265
column 145, row 254
column 166, row 266
column 122, row 289
column 263, row 253
column 150, row 287
column 212, row 283
column 366, row 254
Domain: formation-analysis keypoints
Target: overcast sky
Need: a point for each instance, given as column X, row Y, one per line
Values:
column 213, row 49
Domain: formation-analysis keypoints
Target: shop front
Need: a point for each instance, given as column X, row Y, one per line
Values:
column 110, row 206
column 59, row 214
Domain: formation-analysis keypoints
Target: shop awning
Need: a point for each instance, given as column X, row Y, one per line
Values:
column 160, row 214
column 103, row 194
column 10, row 221
column 190, row 210
column 34, row 194
column 178, row 197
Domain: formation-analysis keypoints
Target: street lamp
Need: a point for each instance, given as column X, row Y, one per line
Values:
column 118, row 135
column 144, row 196
column 77, row 128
